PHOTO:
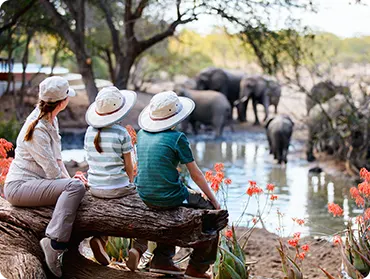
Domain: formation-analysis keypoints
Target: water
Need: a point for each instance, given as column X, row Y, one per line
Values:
column 300, row 194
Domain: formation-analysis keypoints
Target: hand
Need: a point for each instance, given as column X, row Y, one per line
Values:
column 216, row 204
column 80, row 176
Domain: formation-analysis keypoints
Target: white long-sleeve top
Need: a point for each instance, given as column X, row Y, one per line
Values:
column 37, row 158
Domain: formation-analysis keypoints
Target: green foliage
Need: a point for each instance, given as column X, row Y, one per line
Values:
column 117, row 248
column 9, row 129
column 230, row 262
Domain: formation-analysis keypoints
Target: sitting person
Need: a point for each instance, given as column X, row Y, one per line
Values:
column 37, row 176
column 108, row 146
column 160, row 149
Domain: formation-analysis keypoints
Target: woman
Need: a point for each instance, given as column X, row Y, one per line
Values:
column 111, row 172
column 37, row 175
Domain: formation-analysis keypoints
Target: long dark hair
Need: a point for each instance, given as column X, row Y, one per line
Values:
column 97, row 141
column 45, row 108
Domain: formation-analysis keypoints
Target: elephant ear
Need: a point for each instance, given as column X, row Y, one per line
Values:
column 268, row 121
column 288, row 117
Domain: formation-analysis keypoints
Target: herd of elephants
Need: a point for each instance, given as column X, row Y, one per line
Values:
column 217, row 91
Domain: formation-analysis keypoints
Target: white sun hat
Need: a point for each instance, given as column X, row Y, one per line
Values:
column 110, row 106
column 165, row 111
column 53, row 89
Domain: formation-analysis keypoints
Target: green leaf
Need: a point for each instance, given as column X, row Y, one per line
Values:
column 239, row 266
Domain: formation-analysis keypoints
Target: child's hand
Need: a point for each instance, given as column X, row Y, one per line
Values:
column 216, row 204
column 80, row 176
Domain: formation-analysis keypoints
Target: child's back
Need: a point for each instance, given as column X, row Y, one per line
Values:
column 159, row 154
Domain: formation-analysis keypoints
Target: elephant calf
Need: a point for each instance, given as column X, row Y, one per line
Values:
column 279, row 131
column 262, row 91
column 211, row 108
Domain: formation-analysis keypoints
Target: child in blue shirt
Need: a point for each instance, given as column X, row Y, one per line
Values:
column 160, row 149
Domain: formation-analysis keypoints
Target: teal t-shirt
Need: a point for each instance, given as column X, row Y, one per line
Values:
column 159, row 155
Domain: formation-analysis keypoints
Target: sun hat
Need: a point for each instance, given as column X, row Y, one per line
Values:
column 164, row 111
column 54, row 89
column 110, row 106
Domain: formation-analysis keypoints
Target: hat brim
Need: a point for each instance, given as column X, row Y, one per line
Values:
column 99, row 121
column 71, row 92
column 148, row 124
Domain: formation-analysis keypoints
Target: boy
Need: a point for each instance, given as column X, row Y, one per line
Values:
column 160, row 149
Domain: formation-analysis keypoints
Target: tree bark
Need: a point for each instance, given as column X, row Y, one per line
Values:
column 22, row 228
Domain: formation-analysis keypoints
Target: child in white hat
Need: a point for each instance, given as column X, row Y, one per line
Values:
column 108, row 146
column 160, row 149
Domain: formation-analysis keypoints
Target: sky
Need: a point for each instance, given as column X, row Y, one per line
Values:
column 335, row 16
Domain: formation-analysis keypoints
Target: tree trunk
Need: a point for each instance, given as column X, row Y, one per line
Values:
column 123, row 75
column 22, row 228
column 86, row 71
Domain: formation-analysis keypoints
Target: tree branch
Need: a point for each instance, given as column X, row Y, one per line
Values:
column 114, row 32
column 64, row 29
column 140, row 8
column 17, row 16
column 144, row 45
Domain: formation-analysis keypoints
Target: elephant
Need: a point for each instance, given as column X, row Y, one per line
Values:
column 211, row 108
column 319, row 132
column 262, row 91
column 224, row 81
column 279, row 130
column 322, row 92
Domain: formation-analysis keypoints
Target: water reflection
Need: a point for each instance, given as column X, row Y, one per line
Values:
column 301, row 195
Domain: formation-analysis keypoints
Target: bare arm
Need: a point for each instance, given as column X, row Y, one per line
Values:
column 129, row 167
column 198, row 177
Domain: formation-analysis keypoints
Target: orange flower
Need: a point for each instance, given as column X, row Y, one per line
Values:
column 227, row 181
column 132, row 134
column 360, row 201
column 273, row 197
column 219, row 167
column 270, row 187
column 229, row 233
column 335, row 209
column 293, row 242
column 297, row 235
column 364, row 188
column 305, row 247
column 337, row 239
column 365, row 174
column 298, row 221
column 215, row 186
column 209, row 176
column 252, row 183
column 220, row 175
column 354, row 192
column 301, row 255
column 367, row 214
column 5, row 146
column 254, row 190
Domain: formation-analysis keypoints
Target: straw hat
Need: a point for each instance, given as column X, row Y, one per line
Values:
column 165, row 110
column 110, row 106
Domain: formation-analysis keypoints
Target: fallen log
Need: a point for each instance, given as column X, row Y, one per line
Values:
column 22, row 228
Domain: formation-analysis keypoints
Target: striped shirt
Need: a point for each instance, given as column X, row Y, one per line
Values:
column 107, row 169
column 37, row 158
column 159, row 154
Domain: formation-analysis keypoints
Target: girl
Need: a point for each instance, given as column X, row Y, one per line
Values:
column 108, row 146
column 37, row 175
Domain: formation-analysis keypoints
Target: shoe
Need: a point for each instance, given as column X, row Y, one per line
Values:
column 97, row 247
column 133, row 259
column 192, row 273
column 53, row 257
column 166, row 269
